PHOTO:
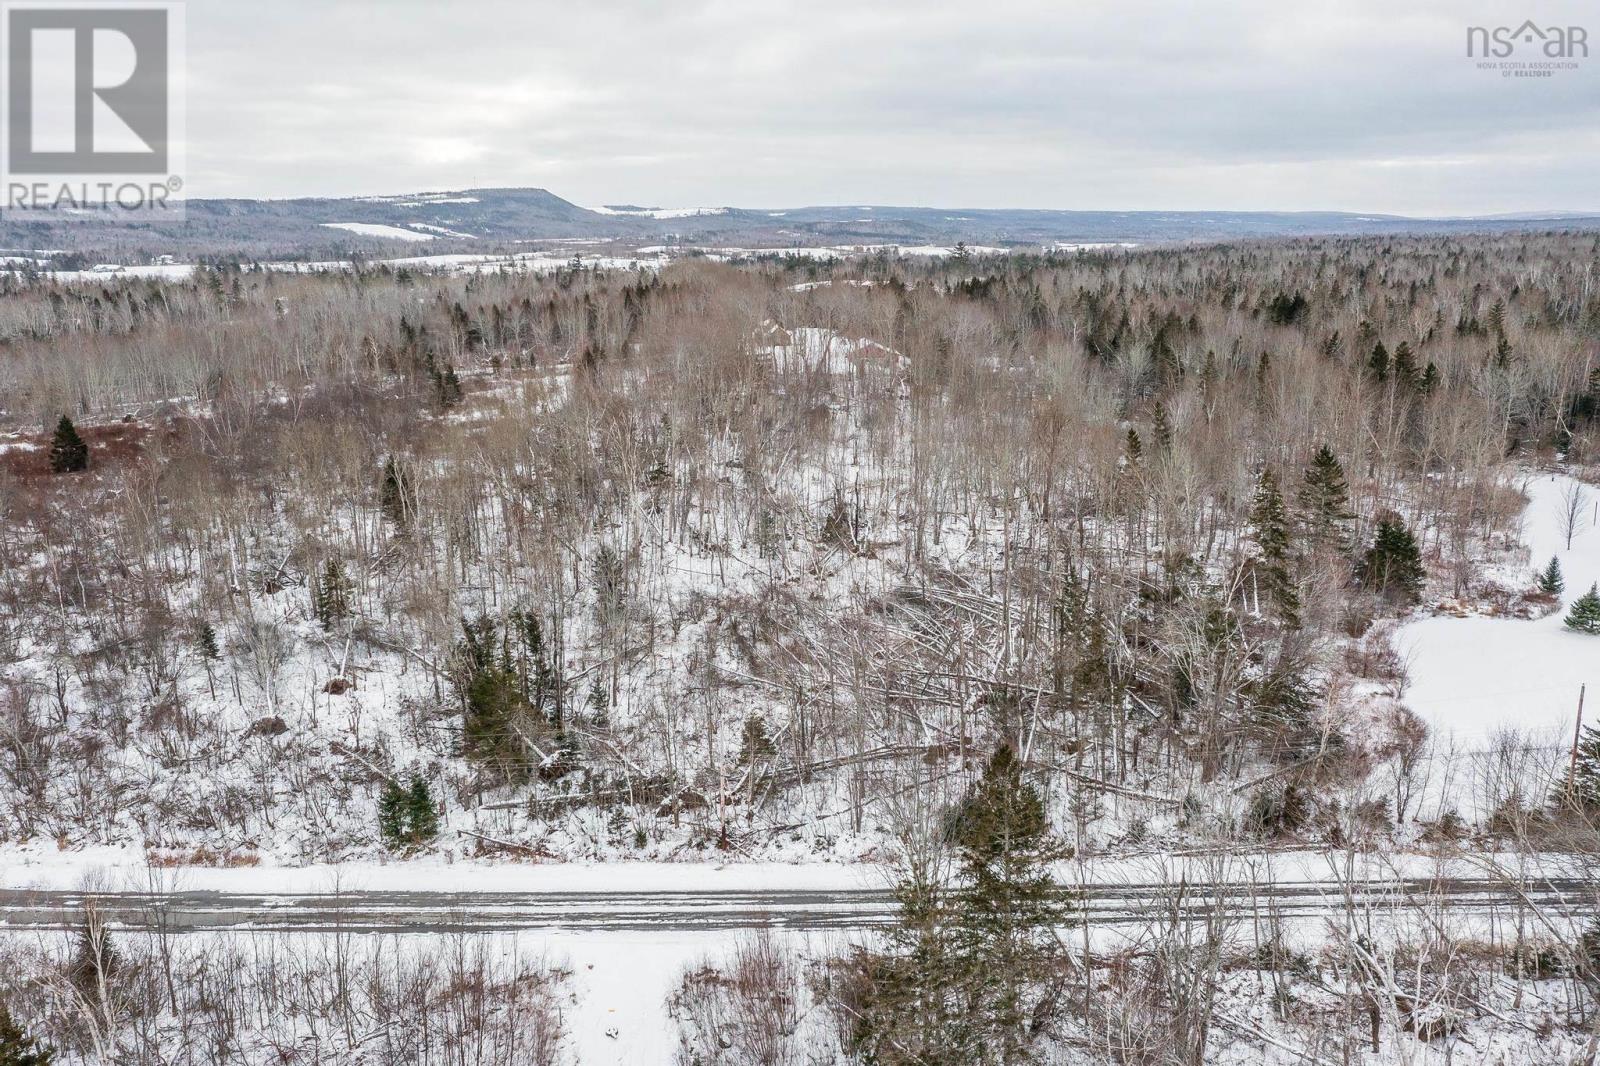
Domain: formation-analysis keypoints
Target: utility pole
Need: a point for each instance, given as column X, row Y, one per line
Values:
column 1572, row 765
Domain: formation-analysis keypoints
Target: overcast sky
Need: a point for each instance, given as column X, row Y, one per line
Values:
column 1352, row 105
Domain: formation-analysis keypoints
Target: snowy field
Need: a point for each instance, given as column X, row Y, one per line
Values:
column 1473, row 676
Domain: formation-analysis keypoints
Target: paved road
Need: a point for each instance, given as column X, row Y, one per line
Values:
column 401, row 912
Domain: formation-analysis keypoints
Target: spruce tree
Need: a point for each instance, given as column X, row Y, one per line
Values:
column 1405, row 366
column 755, row 743
column 395, row 496
column 495, row 700
column 1134, row 448
column 422, row 817
column 1378, row 362
column 392, row 805
column 1010, row 908
column 17, row 1047
column 1392, row 567
column 1497, row 318
column 331, row 596
column 1551, row 583
column 1271, row 524
column 1325, row 502
column 95, row 962
column 1161, row 429
column 971, row 973
column 599, row 701
column 68, row 452
column 206, row 643
column 1579, row 788
column 1584, row 617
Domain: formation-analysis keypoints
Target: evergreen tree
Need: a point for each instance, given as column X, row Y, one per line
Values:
column 1285, row 310
column 971, row 974
column 1405, row 366
column 1497, row 318
column 210, row 652
column 1584, row 617
column 599, row 705
column 1010, row 907
column 1271, row 524
column 68, row 452
column 1325, row 502
column 450, row 388
column 331, row 595
column 1134, row 447
column 95, row 962
column 395, row 495
column 1551, row 583
column 1378, row 362
column 499, row 724
column 17, row 1048
column 755, row 743
column 392, row 814
column 535, row 666
column 206, row 643
column 422, row 817
column 1161, row 428
column 1502, row 353
column 1392, row 567
column 1579, row 788
column 906, row 1000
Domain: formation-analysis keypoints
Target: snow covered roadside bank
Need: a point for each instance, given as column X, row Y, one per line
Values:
column 122, row 869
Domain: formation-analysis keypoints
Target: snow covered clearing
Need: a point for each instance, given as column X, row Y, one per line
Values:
column 373, row 229
column 660, row 212
column 1473, row 676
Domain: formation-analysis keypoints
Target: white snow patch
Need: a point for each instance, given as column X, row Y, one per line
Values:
column 373, row 229
column 660, row 212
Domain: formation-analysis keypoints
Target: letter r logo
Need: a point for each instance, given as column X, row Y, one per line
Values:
column 87, row 90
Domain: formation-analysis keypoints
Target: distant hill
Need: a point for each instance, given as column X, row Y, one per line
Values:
column 491, row 219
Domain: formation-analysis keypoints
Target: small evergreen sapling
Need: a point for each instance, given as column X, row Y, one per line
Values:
column 406, row 814
column 95, row 962
column 1584, row 617
column 331, row 596
column 1392, row 567
column 392, row 814
column 422, row 816
column 1551, row 583
column 68, row 452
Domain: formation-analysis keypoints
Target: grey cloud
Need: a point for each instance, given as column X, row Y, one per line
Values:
column 1358, row 105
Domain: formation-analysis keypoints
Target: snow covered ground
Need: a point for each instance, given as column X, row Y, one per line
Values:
column 1473, row 676
column 1478, row 676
